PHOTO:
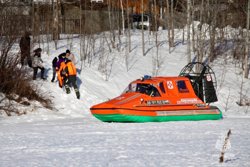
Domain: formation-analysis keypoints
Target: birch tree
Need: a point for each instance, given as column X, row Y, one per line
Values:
column 123, row 20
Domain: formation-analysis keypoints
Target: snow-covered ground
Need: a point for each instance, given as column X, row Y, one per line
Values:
column 70, row 136
column 89, row 142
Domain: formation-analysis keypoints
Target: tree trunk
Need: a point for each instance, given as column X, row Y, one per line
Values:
column 56, row 14
column 111, row 27
column 142, row 31
column 212, row 34
column 188, row 31
column 129, row 29
column 156, row 62
column 172, row 23
column 246, row 69
column 200, row 35
column 33, row 19
column 168, row 25
column 123, row 20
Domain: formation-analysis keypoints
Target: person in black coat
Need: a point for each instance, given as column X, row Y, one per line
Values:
column 54, row 65
column 25, row 49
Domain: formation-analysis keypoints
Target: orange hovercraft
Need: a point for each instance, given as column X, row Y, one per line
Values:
column 160, row 99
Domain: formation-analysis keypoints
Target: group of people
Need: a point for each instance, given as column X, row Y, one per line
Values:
column 63, row 66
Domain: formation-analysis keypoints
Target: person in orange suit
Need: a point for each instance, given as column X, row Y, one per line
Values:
column 69, row 73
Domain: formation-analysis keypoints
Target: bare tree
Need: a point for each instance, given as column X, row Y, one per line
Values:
column 170, row 24
column 188, row 31
column 33, row 19
column 81, row 38
column 246, row 63
column 123, row 19
column 128, row 29
column 128, row 37
column 56, row 16
column 142, row 30
column 193, row 29
column 111, row 25
column 156, row 59
column 106, row 60
column 212, row 15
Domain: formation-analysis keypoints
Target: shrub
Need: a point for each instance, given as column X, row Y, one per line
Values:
column 15, row 81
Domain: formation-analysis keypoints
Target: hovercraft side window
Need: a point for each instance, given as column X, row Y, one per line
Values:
column 182, row 87
column 161, row 86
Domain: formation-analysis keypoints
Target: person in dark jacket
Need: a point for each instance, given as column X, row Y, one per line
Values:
column 61, row 59
column 59, row 66
column 25, row 49
column 54, row 64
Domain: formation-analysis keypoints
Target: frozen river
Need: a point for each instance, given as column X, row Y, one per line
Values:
column 88, row 142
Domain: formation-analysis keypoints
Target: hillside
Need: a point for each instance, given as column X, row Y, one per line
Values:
column 105, row 74
column 69, row 135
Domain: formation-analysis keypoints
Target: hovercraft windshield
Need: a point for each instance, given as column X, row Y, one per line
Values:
column 143, row 88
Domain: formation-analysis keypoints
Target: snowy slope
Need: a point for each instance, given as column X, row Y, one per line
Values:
column 70, row 136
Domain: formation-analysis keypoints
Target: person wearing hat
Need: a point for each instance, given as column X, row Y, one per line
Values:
column 70, row 56
column 37, row 63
